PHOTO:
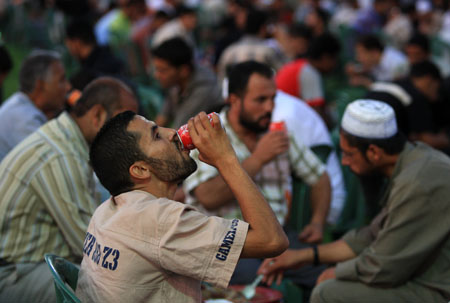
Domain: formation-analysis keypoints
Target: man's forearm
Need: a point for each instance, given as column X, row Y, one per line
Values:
column 320, row 199
column 265, row 236
column 334, row 252
column 215, row 193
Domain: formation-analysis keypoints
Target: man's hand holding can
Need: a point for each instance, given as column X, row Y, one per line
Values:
column 211, row 140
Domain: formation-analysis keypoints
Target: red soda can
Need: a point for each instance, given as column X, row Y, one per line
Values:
column 279, row 125
column 185, row 137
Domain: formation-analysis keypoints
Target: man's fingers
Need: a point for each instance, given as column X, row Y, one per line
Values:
column 279, row 278
column 200, row 120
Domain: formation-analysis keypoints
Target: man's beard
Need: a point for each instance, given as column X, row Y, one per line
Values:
column 171, row 170
column 253, row 125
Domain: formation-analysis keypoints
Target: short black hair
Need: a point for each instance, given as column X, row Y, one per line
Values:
column 182, row 10
column 370, row 42
column 175, row 51
column 420, row 40
column 36, row 67
column 324, row 44
column 81, row 29
column 256, row 19
column 391, row 146
column 106, row 91
column 240, row 73
column 6, row 63
column 425, row 68
column 300, row 30
column 113, row 151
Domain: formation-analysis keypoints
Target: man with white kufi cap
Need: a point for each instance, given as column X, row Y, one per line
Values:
column 403, row 255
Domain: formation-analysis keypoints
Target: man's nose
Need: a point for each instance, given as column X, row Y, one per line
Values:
column 170, row 133
column 269, row 106
column 345, row 161
column 68, row 86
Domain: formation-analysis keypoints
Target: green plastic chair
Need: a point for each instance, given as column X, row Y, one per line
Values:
column 65, row 276
column 301, row 209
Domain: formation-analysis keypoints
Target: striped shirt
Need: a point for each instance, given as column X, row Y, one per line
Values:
column 274, row 180
column 47, row 192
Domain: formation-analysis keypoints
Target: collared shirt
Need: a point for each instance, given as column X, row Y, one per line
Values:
column 202, row 93
column 409, row 239
column 274, row 179
column 140, row 248
column 19, row 117
column 47, row 192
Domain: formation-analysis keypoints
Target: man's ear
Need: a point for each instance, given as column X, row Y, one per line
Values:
column 184, row 71
column 234, row 99
column 374, row 153
column 140, row 170
column 98, row 116
column 39, row 86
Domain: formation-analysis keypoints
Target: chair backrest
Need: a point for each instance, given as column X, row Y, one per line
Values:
column 65, row 276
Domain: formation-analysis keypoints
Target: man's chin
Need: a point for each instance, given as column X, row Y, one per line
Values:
column 191, row 168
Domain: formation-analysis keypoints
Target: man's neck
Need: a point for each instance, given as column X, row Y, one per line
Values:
column 184, row 82
column 39, row 103
column 249, row 137
column 84, row 126
column 159, row 189
column 388, row 168
column 86, row 51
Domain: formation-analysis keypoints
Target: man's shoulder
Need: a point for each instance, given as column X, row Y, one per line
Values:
column 204, row 80
column 425, row 166
column 40, row 148
column 19, row 107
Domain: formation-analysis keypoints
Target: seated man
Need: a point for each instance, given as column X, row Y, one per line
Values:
column 42, row 91
column 143, row 246
column 190, row 87
column 402, row 256
column 269, row 157
column 48, row 192
column 418, row 104
column 376, row 62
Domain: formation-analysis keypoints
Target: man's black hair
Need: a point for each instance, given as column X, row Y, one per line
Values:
column 6, row 63
column 420, row 40
column 391, row 146
column 113, row 151
column 256, row 20
column 425, row 68
column 324, row 44
column 239, row 75
column 300, row 30
column 106, row 91
column 370, row 42
column 182, row 10
column 175, row 51
column 82, row 29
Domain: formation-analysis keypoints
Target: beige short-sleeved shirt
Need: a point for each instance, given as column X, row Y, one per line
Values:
column 145, row 249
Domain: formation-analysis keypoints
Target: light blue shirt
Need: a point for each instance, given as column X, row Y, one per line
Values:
column 19, row 117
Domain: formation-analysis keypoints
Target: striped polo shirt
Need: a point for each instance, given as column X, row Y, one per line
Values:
column 47, row 192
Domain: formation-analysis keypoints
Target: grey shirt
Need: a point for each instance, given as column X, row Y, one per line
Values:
column 19, row 117
column 409, row 240
column 201, row 94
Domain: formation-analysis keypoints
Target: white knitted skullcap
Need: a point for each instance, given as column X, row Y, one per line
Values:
column 369, row 119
